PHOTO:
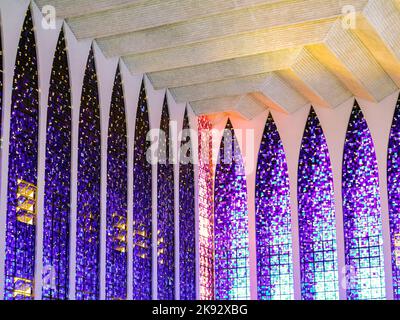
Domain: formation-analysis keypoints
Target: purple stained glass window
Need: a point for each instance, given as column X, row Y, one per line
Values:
column 57, row 180
column 394, row 198
column 232, row 271
column 117, row 197
column 187, row 224
column 22, row 170
column 142, row 206
column 273, row 219
column 362, row 213
column 88, row 209
column 165, row 212
column 316, row 214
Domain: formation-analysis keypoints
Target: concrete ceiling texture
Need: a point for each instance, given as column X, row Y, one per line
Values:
column 249, row 55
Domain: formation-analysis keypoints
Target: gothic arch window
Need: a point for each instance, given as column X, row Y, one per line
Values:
column 88, row 210
column 273, row 219
column 117, row 197
column 57, row 178
column 22, row 170
column 165, row 212
column 142, row 204
column 232, row 272
column 394, row 197
column 316, row 216
column 206, row 210
column 362, row 213
column 187, row 224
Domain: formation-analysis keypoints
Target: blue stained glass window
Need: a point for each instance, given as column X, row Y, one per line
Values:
column 57, row 180
column 165, row 213
column 362, row 213
column 88, row 210
column 394, row 197
column 22, row 170
column 232, row 271
column 316, row 214
column 142, row 206
column 187, row 241
column 273, row 219
column 117, row 197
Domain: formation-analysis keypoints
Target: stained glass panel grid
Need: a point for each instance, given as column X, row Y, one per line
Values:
column 232, row 272
column 393, row 167
column 142, row 205
column 316, row 214
column 89, row 173
column 22, row 170
column 362, row 213
column 117, row 197
column 206, row 210
column 165, row 212
column 57, row 180
column 273, row 219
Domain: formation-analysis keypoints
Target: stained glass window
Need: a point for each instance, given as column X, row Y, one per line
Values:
column 22, row 170
column 362, row 213
column 232, row 273
column 273, row 219
column 206, row 210
column 394, row 198
column 88, row 210
column 117, row 197
column 316, row 214
column 165, row 212
column 57, row 180
column 142, row 207
column 187, row 225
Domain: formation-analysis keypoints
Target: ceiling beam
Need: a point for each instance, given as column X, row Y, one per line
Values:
column 225, row 69
column 308, row 76
column 151, row 14
column 231, row 47
column 364, row 76
column 378, row 27
column 240, row 21
column 75, row 8
column 219, row 89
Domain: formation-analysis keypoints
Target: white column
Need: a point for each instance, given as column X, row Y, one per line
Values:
column 77, row 54
column 155, row 99
column 291, row 129
column 334, row 124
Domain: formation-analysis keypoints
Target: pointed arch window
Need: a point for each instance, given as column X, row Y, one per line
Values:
column 165, row 212
column 142, row 204
column 232, row 273
column 362, row 213
column 273, row 219
column 206, row 210
column 57, row 178
column 22, row 170
column 89, row 173
column 187, row 223
column 316, row 216
column 117, row 197
column 394, row 197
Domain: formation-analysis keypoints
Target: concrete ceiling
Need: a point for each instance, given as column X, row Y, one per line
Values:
column 248, row 55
